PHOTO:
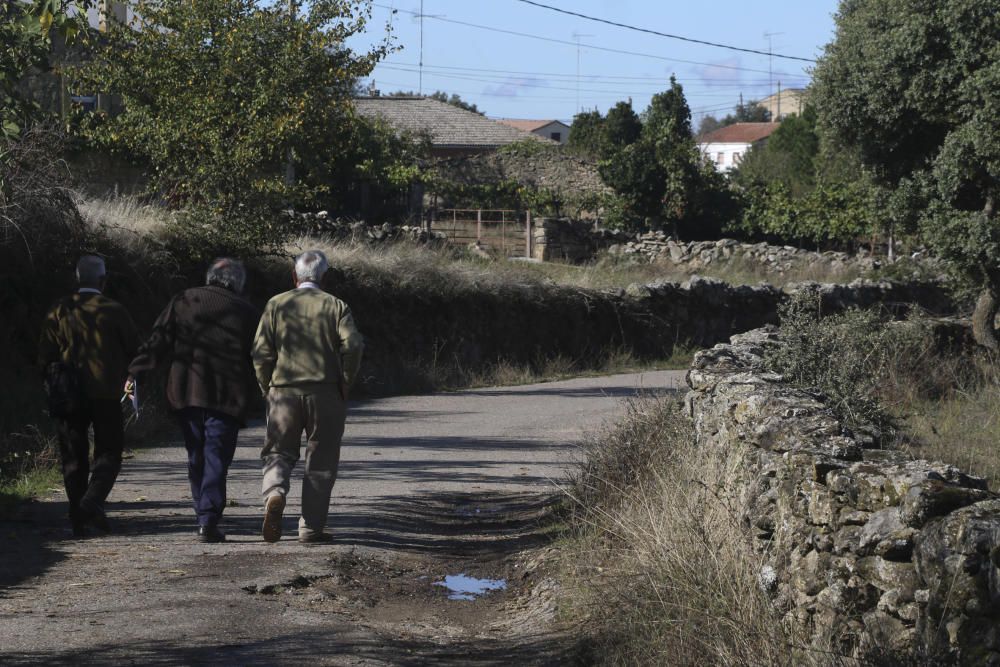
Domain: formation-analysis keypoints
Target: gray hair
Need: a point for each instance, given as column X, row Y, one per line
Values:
column 311, row 265
column 90, row 270
column 227, row 272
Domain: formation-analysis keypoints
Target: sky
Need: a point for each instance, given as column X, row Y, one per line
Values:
column 514, row 76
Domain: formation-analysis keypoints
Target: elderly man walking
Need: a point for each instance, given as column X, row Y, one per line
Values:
column 86, row 342
column 204, row 337
column 306, row 354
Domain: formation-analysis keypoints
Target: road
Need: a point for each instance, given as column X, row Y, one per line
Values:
column 428, row 485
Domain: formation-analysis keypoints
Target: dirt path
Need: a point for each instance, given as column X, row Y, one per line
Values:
column 429, row 486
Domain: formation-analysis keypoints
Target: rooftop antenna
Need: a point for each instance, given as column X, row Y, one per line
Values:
column 577, row 36
column 770, row 58
column 420, row 16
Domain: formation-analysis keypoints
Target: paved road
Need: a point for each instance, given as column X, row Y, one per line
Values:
column 150, row 594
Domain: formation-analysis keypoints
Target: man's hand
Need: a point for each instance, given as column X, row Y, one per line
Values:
column 129, row 385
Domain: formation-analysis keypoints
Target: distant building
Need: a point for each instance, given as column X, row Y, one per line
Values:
column 556, row 130
column 452, row 131
column 727, row 146
column 784, row 103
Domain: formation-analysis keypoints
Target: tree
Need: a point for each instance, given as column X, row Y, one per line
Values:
column 659, row 176
column 751, row 112
column 442, row 96
column 788, row 156
column 621, row 126
column 220, row 97
column 586, row 133
column 914, row 87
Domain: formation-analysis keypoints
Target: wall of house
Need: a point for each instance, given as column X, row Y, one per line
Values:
column 547, row 130
column 730, row 154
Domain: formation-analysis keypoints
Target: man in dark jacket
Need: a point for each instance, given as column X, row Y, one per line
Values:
column 205, row 335
column 93, row 338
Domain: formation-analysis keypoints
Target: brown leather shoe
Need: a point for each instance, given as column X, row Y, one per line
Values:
column 274, row 508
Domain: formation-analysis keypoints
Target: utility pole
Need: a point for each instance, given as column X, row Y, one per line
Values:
column 577, row 36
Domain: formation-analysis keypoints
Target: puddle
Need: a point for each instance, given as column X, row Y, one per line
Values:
column 461, row 587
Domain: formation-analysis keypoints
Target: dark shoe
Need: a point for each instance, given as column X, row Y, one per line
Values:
column 210, row 534
column 95, row 516
column 79, row 529
column 315, row 538
column 274, row 508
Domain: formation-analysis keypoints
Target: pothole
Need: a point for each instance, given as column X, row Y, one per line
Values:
column 462, row 587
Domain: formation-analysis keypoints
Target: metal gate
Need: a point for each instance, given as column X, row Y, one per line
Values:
column 506, row 232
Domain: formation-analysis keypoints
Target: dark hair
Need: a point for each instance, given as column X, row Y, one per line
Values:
column 226, row 272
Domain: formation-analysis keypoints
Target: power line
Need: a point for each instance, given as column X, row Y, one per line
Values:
column 588, row 46
column 566, row 76
column 662, row 34
column 546, row 85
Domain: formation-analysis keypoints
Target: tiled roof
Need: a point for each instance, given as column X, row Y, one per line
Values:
column 740, row 133
column 448, row 126
column 528, row 125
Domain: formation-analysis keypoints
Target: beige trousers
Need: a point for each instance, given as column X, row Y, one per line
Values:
column 320, row 415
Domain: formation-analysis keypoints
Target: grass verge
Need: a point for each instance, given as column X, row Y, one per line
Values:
column 658, row 568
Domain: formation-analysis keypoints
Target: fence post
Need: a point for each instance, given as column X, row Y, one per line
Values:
column 479, row 225
column 529, row 237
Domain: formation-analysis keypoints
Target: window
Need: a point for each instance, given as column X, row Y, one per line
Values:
column 720, row 158
column 87, row 102
column 556, row 136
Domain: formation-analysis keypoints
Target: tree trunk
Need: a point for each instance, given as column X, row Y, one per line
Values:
column 983, row 318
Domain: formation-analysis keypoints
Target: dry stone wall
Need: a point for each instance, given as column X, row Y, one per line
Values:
column 865, row 552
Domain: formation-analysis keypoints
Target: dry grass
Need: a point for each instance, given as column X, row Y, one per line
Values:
column 659, row 567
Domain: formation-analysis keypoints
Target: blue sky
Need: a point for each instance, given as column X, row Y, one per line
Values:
column 513, row 76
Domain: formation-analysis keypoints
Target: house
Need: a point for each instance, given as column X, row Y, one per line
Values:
column 784, row 103
column 452, row 131
column 556, row 130
column 726, row 146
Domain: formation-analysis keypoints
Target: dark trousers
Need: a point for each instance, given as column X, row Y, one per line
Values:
column 210, row 438
column 85, row 483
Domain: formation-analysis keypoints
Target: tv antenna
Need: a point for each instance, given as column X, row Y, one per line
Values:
column 577, row 36
column 420, row 17
column 770, row 58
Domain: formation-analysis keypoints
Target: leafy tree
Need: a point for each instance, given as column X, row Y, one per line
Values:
column 239, row 107
column 660, row 177
column 621, row 126
column 751, row 112
column 27, row 30
column 788, row 156
column 914, row 87
column 586, row 133
column 708, row 125
column 442, row 96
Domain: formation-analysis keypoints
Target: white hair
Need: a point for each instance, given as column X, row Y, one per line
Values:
column 311, row 265
column 227, row 272
column 90, row 270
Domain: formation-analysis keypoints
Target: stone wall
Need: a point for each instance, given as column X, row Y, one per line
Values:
column 864, row 550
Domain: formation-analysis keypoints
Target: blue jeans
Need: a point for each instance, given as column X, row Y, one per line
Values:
column 210, row 438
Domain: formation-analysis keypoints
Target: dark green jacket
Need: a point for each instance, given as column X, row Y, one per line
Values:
column 96, row 336
column 306, row 340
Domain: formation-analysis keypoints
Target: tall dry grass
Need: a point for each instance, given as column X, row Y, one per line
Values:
column 659, row 568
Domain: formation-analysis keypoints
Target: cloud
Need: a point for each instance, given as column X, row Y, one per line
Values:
column 720, row 73
column 514, row 85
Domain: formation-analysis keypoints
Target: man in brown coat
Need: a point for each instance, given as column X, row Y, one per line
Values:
column 204, row 336
column 94, row 338
column 306, row 353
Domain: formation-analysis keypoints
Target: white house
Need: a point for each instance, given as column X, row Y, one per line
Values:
column 556, row 130
column 726, row 146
